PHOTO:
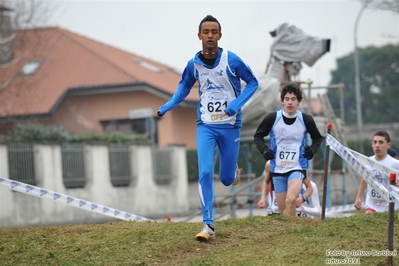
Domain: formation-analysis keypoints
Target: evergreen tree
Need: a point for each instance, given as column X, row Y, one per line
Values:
column 379, row 81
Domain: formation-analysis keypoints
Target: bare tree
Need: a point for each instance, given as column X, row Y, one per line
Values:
column 389, row 5
column 26, row 13
column 16, row 42
column 17, row 15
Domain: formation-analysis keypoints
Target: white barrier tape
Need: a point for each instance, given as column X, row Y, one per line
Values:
column 70, row 201
column 358, row 161
column 366, row 160
column 342, row 208
column 338, row 215
column 393, row 190
column 375, row 164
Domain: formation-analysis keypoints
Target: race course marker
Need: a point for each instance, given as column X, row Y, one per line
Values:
column 70, row 201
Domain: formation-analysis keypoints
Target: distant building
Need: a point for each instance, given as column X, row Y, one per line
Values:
column 56, row 77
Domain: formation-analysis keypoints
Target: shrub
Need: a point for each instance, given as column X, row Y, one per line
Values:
column 35, row 132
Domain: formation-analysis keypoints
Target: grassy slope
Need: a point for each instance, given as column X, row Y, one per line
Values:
column 272, row 240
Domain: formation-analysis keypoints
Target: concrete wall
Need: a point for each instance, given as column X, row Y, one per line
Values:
column 143, row 197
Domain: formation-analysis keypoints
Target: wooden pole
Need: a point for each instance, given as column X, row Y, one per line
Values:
column 326, row 166
column 391, row 214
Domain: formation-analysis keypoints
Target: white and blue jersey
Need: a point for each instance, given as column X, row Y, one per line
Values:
column 375, row 201
column 272, row 207
column 288, row 142
column 219, row 89
column 288, row 137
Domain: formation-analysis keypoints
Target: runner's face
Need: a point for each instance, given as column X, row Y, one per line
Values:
column 290, row 103
column 209, row 35
column 380, row 146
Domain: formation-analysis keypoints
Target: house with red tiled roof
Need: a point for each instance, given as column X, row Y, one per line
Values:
column 57, row 77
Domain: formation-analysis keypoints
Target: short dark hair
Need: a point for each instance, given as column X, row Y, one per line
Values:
column 392, row 152
column 209, row 18
column 383, row 133
column 291, row 87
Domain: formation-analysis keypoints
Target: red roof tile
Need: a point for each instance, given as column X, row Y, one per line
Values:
column 72, row 61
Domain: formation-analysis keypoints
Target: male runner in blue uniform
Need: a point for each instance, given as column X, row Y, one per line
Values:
column 288, row 153
column 219, row 73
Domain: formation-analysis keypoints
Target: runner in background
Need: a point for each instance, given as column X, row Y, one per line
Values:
column 374, row 202
column 307, row 203
column 393, row 153
column 309, row 207
column 288, row 152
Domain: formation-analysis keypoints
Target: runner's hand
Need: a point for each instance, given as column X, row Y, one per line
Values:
column 309, row 152
column 268, row 155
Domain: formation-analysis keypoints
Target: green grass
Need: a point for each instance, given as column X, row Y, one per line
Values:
column 258, row 240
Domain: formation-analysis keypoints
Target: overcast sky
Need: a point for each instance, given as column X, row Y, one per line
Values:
column 166, row 31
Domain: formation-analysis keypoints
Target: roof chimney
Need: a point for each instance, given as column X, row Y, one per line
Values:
column 7, row 36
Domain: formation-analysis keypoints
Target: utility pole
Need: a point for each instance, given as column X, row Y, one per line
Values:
column 357, row 84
